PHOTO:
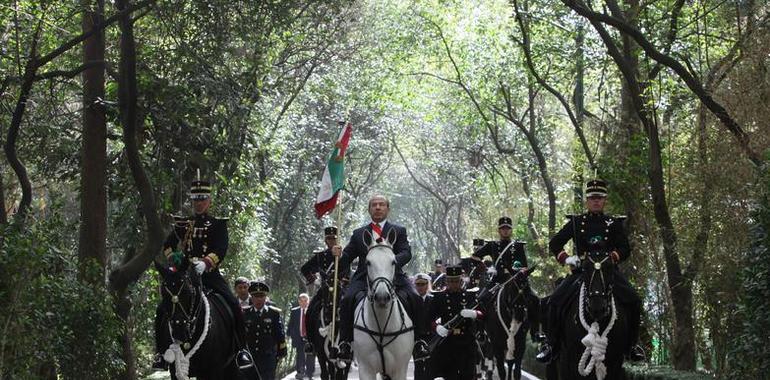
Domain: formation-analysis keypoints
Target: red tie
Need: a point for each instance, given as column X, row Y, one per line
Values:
column 302, row 331
column 376, row 228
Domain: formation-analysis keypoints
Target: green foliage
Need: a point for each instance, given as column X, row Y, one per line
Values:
column 645, row 372
column 52, row 319
column 751, row 343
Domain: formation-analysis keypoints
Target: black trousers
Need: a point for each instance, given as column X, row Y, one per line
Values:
column 624, row 294
column 266, row 364
column 212, row 280
column 454, row 359
column 404, row 290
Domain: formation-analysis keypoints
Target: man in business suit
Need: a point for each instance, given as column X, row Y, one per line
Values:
column 304, row 363
column 379, row 227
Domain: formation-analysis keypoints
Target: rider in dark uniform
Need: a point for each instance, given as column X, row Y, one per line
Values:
column 585, row 229
column 204, row 237
column 380, row 227
column 322, row 264
column 508, row 257
column 264, row 331
column 438, row 276
column 455, row 356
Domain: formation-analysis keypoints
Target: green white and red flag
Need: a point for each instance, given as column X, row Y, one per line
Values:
column 333, row 179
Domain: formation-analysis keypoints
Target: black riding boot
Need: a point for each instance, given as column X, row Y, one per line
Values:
column 243, row 359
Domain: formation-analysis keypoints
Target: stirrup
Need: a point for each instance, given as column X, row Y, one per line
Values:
column 546, row 354
column 343, row 352
column 636, row 354
column 243, row 359
column 158, row 363
column 420, row 351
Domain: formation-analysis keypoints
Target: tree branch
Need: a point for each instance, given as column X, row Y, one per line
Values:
column 687, row 77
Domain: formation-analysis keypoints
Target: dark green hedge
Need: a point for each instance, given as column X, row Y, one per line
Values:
column 656, row 372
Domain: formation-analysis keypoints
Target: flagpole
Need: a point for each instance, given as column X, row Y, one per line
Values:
column 337, row 261
column 336, row 270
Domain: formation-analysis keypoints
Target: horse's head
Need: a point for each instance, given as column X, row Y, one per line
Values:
column 515, row 296
column 180, row 292
column 380, row 268
column 598, row 272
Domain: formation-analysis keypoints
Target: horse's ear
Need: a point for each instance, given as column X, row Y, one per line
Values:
column 392, row 236
column 368, row 238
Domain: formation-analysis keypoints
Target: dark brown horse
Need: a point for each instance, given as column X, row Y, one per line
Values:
column 319, row 317
column 507, row 323
column 200, row 327
column 592, row 316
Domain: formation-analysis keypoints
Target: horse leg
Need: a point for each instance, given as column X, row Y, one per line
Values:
column 500, row 363
column 518, row 354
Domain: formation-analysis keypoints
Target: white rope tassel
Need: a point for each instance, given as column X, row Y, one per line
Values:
column 175, row 355
column 595, row 343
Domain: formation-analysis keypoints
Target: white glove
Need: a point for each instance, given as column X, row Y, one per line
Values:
column 442, row 331
column 492, row 271
column 468, row 313
column 200, row 267
column 573, row 261
column 317, row 281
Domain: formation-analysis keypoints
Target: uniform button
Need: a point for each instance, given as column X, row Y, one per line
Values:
column 582, row 230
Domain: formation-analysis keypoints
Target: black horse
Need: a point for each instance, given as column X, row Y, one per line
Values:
column 189, row 314
column 510, row 309
column 320, row 316
column 599, row 308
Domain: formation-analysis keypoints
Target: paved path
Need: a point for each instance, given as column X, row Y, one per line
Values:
column 353, row 375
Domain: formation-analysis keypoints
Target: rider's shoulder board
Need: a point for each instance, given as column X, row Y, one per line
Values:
column 472, row 290
column 271, row 307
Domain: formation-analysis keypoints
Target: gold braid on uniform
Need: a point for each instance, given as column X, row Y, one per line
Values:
column 212, row 260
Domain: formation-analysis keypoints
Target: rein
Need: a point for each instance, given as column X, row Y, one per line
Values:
column 379, row 336
column 175, row 353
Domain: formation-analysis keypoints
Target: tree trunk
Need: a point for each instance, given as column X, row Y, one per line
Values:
column 92, row 250
column 127, row 95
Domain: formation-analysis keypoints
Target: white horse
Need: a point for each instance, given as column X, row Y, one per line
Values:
column 384, row 334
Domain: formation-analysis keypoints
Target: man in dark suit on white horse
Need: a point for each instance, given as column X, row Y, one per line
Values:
column 379, row 227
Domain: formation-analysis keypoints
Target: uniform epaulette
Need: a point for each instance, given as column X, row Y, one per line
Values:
column 222, row 218
column 521, row 242
column 271, row 307
column 473, row 290
column 620, row 217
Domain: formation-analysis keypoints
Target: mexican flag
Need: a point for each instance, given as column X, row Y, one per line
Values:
column 333, row 178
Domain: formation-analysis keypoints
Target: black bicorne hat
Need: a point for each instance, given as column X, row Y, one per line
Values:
column 330, row 231
column 454, row 271
column 596, row 188
column 258, row 288
column 504, row 222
